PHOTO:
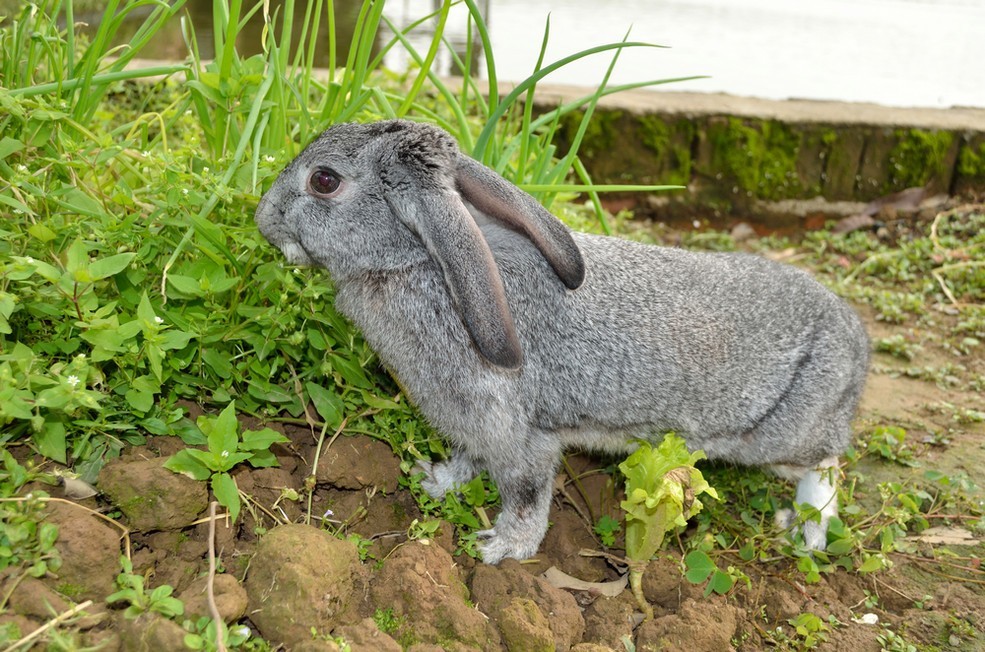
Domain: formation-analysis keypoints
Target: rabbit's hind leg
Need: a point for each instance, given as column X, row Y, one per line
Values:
column 817, row 487
column 525, row 487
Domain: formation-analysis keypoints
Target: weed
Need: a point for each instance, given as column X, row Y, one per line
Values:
column 889, row 442
column 893, row 642
column 226, row 449
column 133, row 592
column 897, row 346
column 27, row 541
column 607, row 528
column 387, row 621
column 202, row 636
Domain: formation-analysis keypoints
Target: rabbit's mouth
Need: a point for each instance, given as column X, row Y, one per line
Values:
column 295, row 253
column 270, row 220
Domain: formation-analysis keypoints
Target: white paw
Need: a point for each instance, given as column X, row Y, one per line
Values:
column 815, row 534
column 439, row 477
column 429, row 483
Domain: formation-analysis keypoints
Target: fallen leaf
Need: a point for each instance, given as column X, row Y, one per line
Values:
column 76, row 489
column 562, row 580
column 946, row 536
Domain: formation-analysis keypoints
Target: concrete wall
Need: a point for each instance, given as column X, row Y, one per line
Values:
column 733, row 153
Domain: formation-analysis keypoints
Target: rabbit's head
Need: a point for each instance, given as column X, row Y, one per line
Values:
column 363, row 200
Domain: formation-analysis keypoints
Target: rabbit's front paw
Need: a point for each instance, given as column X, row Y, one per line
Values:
column 442, row 477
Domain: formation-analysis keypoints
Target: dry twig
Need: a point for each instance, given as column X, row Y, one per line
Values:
column 210, row 584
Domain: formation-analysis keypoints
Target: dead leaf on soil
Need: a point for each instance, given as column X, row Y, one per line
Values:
column 76, row 489
column 562, row 580
column 946, row 536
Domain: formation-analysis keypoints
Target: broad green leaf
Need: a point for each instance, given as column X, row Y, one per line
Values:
column 872, row 564
column 186, row 285
column 224, row 488
column 261, row 439
column 721, row 582
column 351, row 372
column 42, row 233
column 225, row 428
column 51, row 441
column 218, row 362
column 9, row 146
column 147, row 316
column 262, row 459
column 48, row 272
column 328, row 404
column 155, row 357
column 173, row 339
column 186, row 464
column 109, row 266
column 139, row 400
column 227, row 461
column 699, row 566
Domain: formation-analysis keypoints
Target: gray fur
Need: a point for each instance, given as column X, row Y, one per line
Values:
column 752, row 361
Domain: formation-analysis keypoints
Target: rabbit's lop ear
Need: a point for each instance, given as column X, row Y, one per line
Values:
column 421, row 194
column 498, row 198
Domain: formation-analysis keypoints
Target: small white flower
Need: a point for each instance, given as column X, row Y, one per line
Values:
column 72, row 380
column 81, row 356
column 184, row 191
column 29, row 260
column 21, row 168
column 205, row 170
column 328, row 513
column 158, row 320
column 269, row 159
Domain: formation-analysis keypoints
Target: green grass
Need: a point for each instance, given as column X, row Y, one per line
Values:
column 132, row 276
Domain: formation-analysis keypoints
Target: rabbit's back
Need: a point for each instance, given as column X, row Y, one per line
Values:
column 751, row 360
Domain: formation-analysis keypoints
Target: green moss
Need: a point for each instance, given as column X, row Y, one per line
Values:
column 600, row 135
column 919, row 157
column 971, row 162
column 71, row 591
column 672, row 144
column 759, row 157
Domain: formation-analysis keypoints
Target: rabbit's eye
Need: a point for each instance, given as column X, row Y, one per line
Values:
column 324, row 182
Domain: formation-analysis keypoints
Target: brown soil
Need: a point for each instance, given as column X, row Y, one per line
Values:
column 306, row 590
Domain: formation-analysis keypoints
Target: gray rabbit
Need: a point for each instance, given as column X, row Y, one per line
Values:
column 518, row 339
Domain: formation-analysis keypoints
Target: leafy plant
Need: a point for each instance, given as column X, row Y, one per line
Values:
column 202, row 635
column 27, row 542
column 226, row 449
column 607, row 528
column 889, row 442
column 662, row 493
column 701, row 568
column 133, row 591
column 387, row 621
